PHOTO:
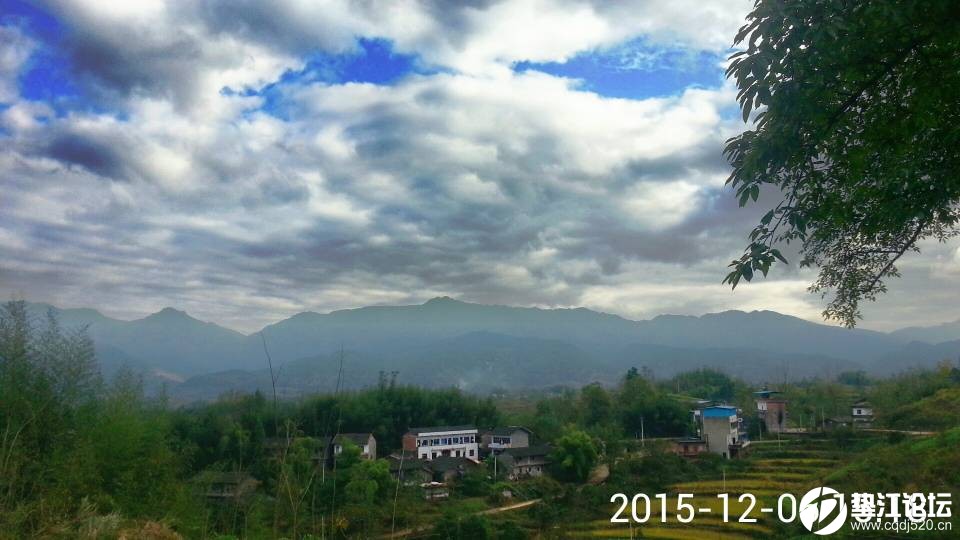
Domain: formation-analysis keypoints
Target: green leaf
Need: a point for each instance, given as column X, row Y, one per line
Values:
column 767, row 218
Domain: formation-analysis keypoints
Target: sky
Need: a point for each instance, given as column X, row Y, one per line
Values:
column 248, row 160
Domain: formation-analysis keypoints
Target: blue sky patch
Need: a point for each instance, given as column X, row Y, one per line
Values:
column 637, row 70
column 374, row 61
column 46, row 76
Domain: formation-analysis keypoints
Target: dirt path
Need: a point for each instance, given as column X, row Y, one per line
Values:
column 918, row 433
column 599, row 474
column 517, row 506
column 499, row 509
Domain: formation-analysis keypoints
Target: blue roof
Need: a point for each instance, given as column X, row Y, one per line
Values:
column 718, row 411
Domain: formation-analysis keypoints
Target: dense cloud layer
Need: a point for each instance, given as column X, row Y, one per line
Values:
column 192, row 177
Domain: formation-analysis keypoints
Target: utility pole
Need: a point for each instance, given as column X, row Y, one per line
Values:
column 642, row 441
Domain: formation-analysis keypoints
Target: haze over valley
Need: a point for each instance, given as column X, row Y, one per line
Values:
column 445, row 342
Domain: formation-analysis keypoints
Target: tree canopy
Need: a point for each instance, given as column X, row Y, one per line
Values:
column 855, row 127
column 575, row 455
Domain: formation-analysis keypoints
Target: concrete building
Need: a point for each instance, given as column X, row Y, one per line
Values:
column 364, row 441
column 862, row 414
column 526, row 462
column 721, row 427
column 498, row 439
column 771, row 410
column 443, row 441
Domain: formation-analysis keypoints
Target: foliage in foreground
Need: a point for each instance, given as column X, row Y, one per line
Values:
column 856, row 133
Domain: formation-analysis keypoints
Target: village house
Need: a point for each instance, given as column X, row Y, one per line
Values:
column 498, row 439
column 771, row 410
column 364, row 441
column 449, row 441
column 226, row 486
column 435, row 491
column 721, row 427
column 450, row 469
column 861, row 413
column 688, row 446
column 861, row 417
column 525, row 462
column 410, row 471
column 414, row 471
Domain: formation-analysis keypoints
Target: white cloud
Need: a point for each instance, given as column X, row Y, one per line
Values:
column 15, row 49
column 660, row 205
column 188, row 52
column 474, row 180
column 500, row 186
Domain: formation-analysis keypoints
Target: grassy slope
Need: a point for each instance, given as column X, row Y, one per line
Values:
column 936, row 412
column 929, row 464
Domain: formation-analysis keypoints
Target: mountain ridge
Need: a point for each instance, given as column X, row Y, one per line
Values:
column 584, row 343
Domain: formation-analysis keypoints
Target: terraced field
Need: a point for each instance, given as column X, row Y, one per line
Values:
column 792, row 466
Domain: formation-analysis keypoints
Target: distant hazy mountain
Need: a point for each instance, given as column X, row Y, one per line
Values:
column 169, row 340
column 929, row 334
column 601, row 333
column 446, row 342
column 917, row 354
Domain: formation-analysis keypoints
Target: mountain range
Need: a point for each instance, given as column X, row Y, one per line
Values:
column 446, row 342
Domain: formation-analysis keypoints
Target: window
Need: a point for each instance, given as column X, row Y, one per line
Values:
column 418, row 443
column 471, row 453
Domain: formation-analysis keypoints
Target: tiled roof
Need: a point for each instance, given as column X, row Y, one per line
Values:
column 357, row 438
column 507, row 431
column 542, row 450
column 448, row 463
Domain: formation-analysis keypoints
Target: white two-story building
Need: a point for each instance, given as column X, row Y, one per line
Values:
column 433, row 442
column 721, row 427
